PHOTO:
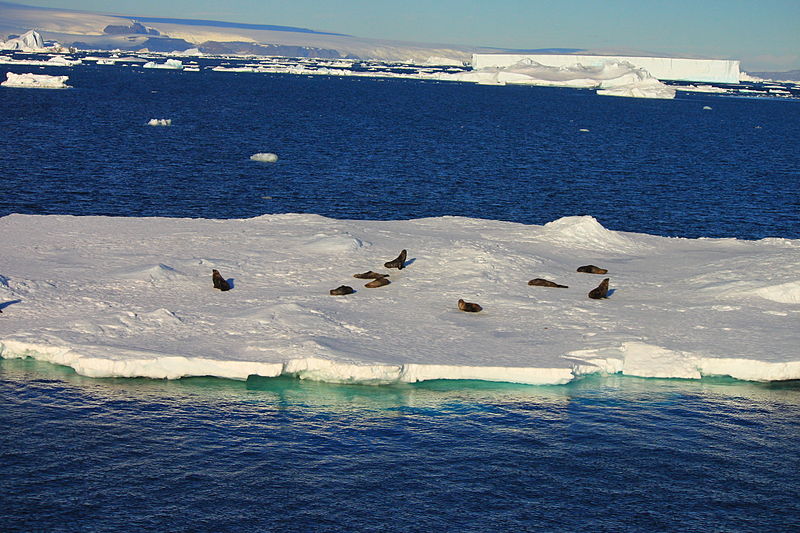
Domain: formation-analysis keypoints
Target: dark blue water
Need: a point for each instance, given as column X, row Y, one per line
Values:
column 395, row 149
column 613, row 454
column 601, row 454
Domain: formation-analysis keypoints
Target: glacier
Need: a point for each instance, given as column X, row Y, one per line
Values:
column 133, row 297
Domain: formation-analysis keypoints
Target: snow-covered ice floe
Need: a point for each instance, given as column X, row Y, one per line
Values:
column 35, row 81
column 264, row 157
column 169, row 64
column 134, row 297
column 159, row 122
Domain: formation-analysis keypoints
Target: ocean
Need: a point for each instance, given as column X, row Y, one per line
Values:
column 604, row 453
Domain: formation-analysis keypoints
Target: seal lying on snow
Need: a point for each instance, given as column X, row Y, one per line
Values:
column 219, row 282
column 469, row 307
column 539, row 282
column 398, row 263
column 601, row 291
column 377, row 282
column 341, row 290
column 591, row 269
column 370, row 275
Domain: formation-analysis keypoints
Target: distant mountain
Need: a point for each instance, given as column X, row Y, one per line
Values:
column 87, row 30
column 790, row 75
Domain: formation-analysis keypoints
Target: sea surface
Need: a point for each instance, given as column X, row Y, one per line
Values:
column 606, row 453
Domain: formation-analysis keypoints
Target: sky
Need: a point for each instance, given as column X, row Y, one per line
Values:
column 763, row 34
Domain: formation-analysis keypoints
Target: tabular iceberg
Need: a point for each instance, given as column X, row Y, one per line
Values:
column 35, row 81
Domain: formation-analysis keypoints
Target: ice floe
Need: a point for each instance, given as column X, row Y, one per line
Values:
column 159, row 122
column 134, row 297
column 35, row 81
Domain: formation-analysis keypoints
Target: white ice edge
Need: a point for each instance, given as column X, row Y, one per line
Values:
column 132, row 297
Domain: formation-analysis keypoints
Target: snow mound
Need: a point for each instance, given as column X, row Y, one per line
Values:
column 264, row 157
column 587, row 233
column 159, row 272
column 785, row 293
column 35, row 81
column 336, row 244
column 159, row 122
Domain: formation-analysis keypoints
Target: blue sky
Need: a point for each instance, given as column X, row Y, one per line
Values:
column 764, row 34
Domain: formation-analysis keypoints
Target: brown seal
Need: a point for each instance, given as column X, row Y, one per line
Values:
column 377, row 282
column 341, row 290
column 370, row 275
column 591, row 269
column 219, row 282
column 601, row 291
column 539, row 282
column 469, row 307
column 398, row 263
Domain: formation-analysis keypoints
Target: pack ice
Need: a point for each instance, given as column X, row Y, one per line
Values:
column 134, row 297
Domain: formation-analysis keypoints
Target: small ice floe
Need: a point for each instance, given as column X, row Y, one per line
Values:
column 35, row 81
column 583, row 129
column 160, row 122
column 707, row 107
column 264, row 157
column 172, row 64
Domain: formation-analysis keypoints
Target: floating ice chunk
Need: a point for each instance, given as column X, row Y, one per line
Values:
column 170, row 64
column 35, row 81
column 264, row 157
column 160, row 122
column 707, row 107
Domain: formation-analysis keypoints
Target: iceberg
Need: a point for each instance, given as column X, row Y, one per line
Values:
column 159, row 122
column 30, row 41
column 662, row 68
column 35, row 81
column 612, row 78
column 84, row 292
column 169, row 64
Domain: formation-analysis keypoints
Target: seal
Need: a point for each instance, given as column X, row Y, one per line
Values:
column 341, row 290
column 219, row 282
column 377, row 282
column 370, row 275
column 601, row 291
column 539, row 282
column 591, row 269
column 399, row 263
column 469, row 307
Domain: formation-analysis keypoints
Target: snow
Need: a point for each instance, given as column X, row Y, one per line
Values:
column 35, row 81
column 131, row 297
column 610, row 78
column 264, row 157
column 662, row 68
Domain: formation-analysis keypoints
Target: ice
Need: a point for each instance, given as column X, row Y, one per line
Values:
column 662, row 68
column 132, row 297
column 159, row 122
column 169, row 64
column 35, row 81
column 264, row 157
column 611, row 78
column 30, row 41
